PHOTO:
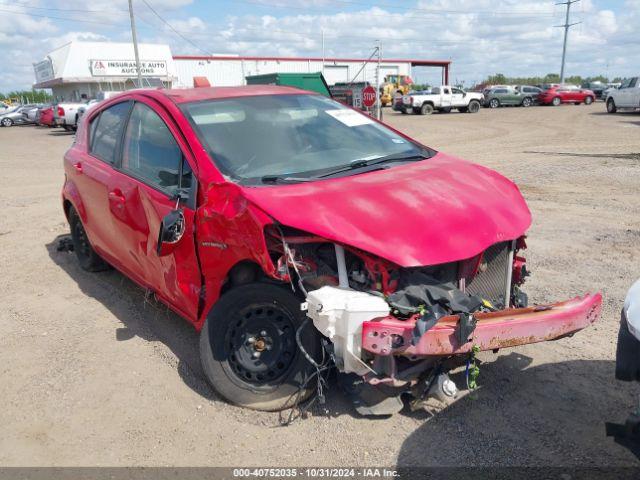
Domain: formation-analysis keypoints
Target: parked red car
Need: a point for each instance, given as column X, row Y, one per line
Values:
column 566, row 94
column 45, row 117
column 241, row 207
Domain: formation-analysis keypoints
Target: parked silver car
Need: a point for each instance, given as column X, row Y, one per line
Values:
column 15, row 116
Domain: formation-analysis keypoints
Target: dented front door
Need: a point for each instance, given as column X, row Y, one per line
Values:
column 153, row 168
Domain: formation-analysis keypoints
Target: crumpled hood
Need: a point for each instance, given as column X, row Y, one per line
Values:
column 434, row 211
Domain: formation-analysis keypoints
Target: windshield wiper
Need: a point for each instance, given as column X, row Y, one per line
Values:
column 361, row 163
column 282, row 179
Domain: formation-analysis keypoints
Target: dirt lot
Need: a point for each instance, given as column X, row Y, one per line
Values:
column 92, row 374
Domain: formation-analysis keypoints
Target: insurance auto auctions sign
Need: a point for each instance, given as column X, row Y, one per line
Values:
column 127, row 68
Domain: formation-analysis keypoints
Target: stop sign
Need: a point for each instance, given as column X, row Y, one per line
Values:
column 368, row 96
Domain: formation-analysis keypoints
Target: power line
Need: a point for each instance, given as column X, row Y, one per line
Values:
column 173, row 29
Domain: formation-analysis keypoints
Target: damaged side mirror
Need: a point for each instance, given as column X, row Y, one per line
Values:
column 171, row 231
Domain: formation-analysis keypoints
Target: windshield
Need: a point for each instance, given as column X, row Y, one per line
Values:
column 298, row 136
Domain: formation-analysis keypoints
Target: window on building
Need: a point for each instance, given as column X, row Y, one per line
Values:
column 106, row 131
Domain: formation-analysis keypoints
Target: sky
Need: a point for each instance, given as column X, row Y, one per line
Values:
column 481, row 37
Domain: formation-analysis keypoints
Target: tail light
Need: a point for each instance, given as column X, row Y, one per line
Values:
column 60, row 112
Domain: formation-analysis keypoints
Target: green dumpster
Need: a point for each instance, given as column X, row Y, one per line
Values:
column 313, row 82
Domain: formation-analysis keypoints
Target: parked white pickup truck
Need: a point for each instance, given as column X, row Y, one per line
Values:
column 627, row 96
column 66, row 115
column 443, row 99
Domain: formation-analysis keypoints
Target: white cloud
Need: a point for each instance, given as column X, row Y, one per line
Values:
column 482, row 37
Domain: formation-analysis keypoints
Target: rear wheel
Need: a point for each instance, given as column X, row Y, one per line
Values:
column 611, row 106
column 426, row 109
column 474, row 106
column 556, row 101
column 588, row 100
column 249, row 350
column 87, row 257
column 494, row 103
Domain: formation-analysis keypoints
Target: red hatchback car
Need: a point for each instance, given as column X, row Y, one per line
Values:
column 296, row 234
column 566, row 94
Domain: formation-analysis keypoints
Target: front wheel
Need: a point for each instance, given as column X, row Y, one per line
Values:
column 588, row 100
column 474, row 106
column 494, row 103
column 526, row 102
column 611, row 106
column 249, row 350
column 6, row 122
column 556, row 101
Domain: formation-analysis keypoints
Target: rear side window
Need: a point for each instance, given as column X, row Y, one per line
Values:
column 151, row 153
column 106, row 131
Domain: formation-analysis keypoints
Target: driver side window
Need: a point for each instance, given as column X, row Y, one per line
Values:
column 152, row 154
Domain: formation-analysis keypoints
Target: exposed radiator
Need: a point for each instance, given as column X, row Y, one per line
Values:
column 494, row 275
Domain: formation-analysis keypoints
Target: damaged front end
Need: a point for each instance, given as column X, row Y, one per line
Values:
column 396, row 330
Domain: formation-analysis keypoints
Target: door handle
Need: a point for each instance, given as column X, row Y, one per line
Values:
column 78, row 167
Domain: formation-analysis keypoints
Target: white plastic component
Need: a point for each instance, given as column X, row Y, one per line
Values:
column 338, row 314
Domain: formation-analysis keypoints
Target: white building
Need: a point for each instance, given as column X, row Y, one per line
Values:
column 232, row 70
column 80, row 70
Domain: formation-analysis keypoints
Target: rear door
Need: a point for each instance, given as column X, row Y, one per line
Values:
column 92, row 172
column 155, row 165
column 629, row 93
column 445, row 97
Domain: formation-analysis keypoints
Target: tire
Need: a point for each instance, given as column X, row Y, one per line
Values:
column 627, row 354
column 88, row 259
column 556, row 101
column 526, row 102
column 474, row 106
column 494, row 103
column 588, row 100
column 6, row 122
column 269, row 379
column 426, row 109
column 611, row 106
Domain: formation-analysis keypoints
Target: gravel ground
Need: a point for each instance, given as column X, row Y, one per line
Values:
column 92, row 374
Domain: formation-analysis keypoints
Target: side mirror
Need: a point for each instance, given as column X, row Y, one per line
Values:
column 171, row 231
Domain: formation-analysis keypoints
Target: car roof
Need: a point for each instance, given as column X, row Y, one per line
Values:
column 184, row 95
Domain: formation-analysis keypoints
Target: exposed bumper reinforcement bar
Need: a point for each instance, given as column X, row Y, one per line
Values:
column 494, row 330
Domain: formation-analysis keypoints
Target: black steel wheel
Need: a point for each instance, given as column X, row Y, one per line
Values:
column 87, row 257
column 261, row 343
column 249, row 351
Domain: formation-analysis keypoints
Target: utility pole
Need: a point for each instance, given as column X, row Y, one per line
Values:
column 323, row 51
column 566, row 26
column 379, row 101
column 135, row 43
